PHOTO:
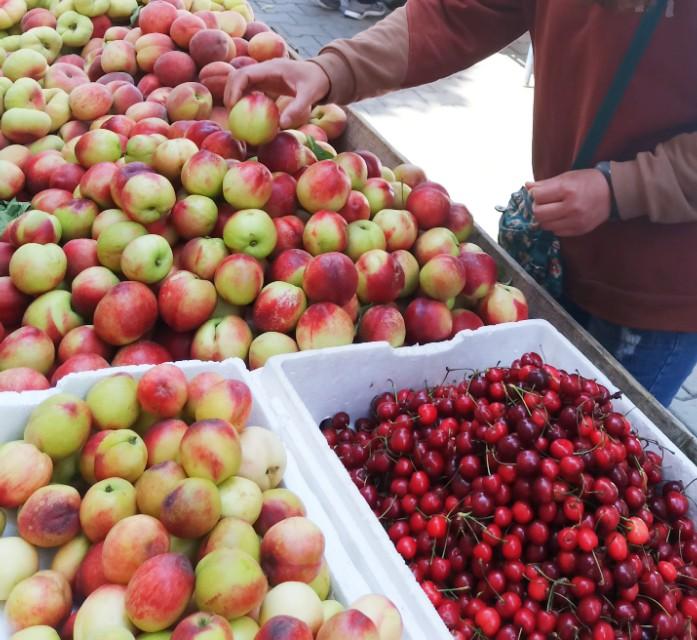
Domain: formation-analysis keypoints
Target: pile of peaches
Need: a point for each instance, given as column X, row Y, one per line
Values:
column 144, row 221
column 165, row 519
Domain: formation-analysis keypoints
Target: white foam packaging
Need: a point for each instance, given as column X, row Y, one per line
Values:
column 347, row 582
column 307, row 387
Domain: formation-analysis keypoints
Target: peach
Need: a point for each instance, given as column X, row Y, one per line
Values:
column 59, row 426
column 90, row 101
column 42, row 599
column 349, row 624
column 331, row 118
column 442, row 277
column 292, row 550
column 279, row 307
column 119, row 55
column 155, row 485
column 162, row 391
column 323, row 185
column 282, row 626
column 430, row 206
column 19, row 560
column 210, row 449
column 503, row 304
column 400, row 228
column 26, row 347
column 171, row 155
column 150, row 47
column 324, row 325
column 189, row 101
column 380, row 277
column 383, row 614
column 34, row 226
column 37, row 17
column 267, row 345
column 114, row 325
column 231, row 22
column 157, row 17
column 427, row 321
column 383, row 323
column 162, row 439
column 69, row 557
column 232, row 533
column 40, row 167
column 87, row 456
column 192, row 508
column 103, row 613
column 106, row 503
column 211, row 45
column 247, row 185
column 125, row 97
column 50, row 517
column 277, row 505
column 463, row 320
column 295, row 599
column 66, row 177
column 23, row 379
column 23, row 470
column 229, row 400
column 435, row 241
column 184, row 27
column 282, row 201
column 129, row 543
column 174, row 68
column 203, row 174
column 148, row 83
column 121, row 453
column 159, row 591
column 88, row 288
column 229, row 582
column 148, row 126
column 199, row 626
column 291, row 265
column 266, row 46
column 90, row 574
column 78, row 363
column 255, row 119
column 141, row 352
column 215, row 76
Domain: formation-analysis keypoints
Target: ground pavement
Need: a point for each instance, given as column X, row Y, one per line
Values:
column 470, row 131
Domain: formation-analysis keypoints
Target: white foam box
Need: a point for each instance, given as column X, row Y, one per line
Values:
column 347, row 582
column 307, row 387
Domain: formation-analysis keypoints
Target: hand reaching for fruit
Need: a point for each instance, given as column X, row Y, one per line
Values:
column 304, row 80
column 573, row 203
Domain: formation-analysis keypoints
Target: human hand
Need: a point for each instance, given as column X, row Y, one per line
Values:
column 571, row 204
column 305, row 81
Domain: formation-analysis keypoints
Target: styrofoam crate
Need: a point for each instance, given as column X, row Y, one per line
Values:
column 347, row 582
column 307, row 387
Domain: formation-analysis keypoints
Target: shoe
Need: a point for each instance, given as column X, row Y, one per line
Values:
column 359, row 10
column 329, row 5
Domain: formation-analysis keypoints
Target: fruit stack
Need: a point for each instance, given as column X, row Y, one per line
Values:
column 526, row 505
column 166, row 517
column 161, row 225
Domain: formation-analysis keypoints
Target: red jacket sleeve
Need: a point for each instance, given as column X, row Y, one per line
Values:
column 446, row 36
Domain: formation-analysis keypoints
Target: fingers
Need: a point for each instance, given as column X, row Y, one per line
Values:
column 549, row 213
column 245, row 79
column 297, row 112
column 547, row 191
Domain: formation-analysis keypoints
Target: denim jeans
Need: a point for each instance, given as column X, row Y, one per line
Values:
column 659, row 360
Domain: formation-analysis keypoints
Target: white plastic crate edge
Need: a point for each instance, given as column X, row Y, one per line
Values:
column 375, row 364
column 347, row 582
column 362, row 535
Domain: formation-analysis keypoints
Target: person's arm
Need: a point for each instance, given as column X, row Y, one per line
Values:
column 424, row 41
column 659, row 184
column 421, row 42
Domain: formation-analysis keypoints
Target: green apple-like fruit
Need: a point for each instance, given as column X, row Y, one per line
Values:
column 37, row 268
column 114, row 239
column 104, row 504
column 52, row 312
column 59, row 426
column 230, row 583
column 113, row 402
column 147, row 259
column 250, row 231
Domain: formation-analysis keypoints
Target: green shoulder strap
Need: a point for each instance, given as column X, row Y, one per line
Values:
column 611, row 102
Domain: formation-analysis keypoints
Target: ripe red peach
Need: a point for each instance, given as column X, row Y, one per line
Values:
column 50, row 517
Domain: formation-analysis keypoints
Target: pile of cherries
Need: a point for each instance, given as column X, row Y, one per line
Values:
column 527, row 507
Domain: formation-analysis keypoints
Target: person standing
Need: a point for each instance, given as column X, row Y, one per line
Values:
column 628, row 227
